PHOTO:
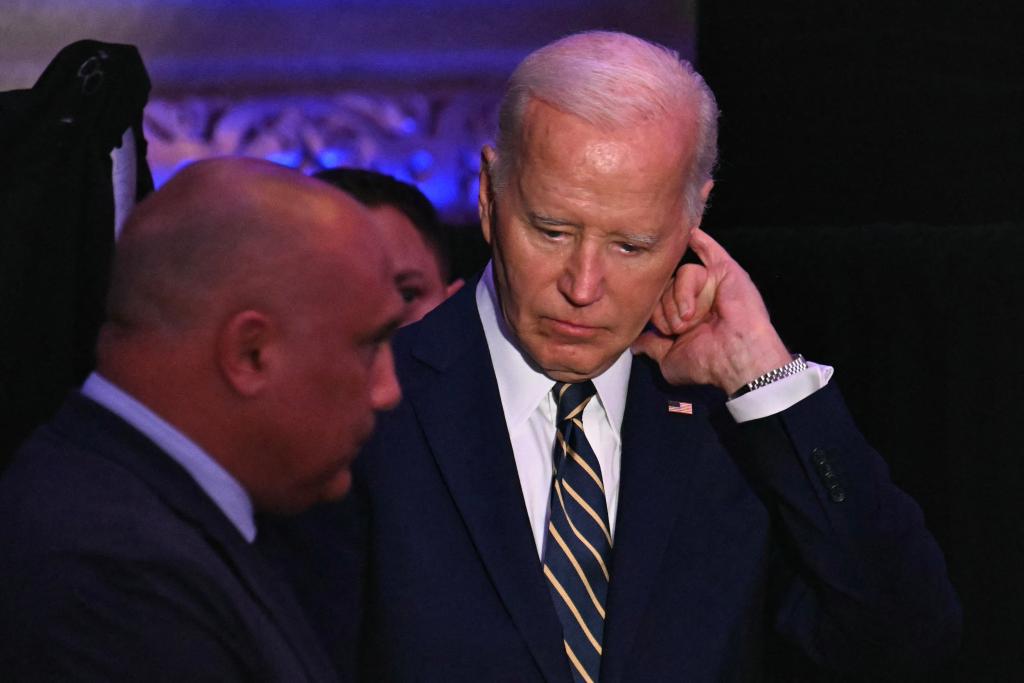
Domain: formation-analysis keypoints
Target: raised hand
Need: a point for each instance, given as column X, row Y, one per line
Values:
column 712, row 326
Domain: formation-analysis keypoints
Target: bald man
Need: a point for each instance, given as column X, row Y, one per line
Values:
column 244, row 358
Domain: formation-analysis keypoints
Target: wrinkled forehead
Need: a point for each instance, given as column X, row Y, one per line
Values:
column 551, row 136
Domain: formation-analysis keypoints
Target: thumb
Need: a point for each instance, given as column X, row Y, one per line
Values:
column 652, row 343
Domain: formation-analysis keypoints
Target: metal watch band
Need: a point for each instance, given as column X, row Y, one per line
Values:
column 798, row 364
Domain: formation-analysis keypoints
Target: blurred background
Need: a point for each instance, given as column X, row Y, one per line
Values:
column 406, row 87
column 869, row 111
column 871, row 180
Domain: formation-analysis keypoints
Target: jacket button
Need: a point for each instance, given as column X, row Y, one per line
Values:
column 836, row 493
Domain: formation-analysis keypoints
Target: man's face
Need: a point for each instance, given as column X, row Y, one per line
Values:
column 337, row 372
column 585, row 236
column 417, row 271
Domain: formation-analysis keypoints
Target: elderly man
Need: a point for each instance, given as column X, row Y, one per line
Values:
column 609, row 469
column 244, row 358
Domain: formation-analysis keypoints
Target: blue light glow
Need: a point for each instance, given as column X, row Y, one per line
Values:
column 442, row 190
column 292, row 158
column 334, row 156
column 420, row 161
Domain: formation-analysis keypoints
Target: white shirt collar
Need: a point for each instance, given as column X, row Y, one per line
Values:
column 521, row 386
column 219, row 485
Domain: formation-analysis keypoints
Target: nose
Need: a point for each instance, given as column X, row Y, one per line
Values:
column 385, row 393
column 582, row 281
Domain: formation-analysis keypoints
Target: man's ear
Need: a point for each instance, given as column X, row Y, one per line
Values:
column 485, row 200
column 245, row 352
column 705, row 192
column 455, row 286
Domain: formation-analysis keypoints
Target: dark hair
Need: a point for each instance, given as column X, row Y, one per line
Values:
column 373, row 189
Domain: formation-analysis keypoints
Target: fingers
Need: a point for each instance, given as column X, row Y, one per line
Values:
column 687, row 300
column 707, row 249
column 658, row 318
column 652, row 344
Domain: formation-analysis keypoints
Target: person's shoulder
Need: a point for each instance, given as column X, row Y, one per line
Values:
column 442, row 336
column 62, row 498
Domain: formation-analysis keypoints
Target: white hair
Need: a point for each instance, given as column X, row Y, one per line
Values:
column 612, row 81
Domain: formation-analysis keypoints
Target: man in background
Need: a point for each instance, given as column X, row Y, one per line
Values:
column 411, row 233
column 609, row 467
column 244, row 357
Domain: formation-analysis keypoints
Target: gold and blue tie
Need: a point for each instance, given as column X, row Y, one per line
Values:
column 578, row 543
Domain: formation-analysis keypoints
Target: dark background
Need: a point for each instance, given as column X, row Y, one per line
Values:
column 866, row 110
column 871, row 180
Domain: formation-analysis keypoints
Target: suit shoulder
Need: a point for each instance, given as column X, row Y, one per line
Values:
column 58, row 498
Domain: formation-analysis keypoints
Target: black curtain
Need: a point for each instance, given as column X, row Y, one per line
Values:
column 866, row 110
column 57, row 222
column 922, row 325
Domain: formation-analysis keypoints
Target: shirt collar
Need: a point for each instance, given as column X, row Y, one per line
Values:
column 522, row 387
column 219, row 485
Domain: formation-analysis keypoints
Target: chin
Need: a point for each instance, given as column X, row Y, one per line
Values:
column 338, row 486
column 566, row 363
column 574, row 369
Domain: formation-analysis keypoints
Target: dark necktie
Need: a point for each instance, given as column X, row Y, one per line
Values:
column 578, row 543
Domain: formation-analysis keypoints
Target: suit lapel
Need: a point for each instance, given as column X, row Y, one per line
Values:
column 117, row 440
column 458, row 405
column 658, row 467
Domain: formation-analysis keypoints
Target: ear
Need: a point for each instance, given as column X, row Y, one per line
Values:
column 705, row 192
column 245, row 352
column 485, row 200
column 453, row 287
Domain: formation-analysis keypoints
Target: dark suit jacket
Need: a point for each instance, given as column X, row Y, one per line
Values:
column 725, row 533
column 114, row 565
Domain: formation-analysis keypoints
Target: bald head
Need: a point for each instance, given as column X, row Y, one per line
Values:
column 249, row 311
column 228, row 228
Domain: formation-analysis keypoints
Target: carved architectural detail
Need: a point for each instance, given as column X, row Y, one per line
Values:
column 432, row 140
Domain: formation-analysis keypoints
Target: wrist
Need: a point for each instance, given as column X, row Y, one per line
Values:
column 753, row 355
column 796, row 364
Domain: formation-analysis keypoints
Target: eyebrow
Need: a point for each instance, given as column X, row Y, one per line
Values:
column 549, row 220
column 638, row 238
column 643, row 240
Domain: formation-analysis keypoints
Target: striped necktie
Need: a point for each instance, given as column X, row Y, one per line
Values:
column 578, row 543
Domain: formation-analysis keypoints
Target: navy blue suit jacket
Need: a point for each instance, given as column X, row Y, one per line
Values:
column 725, row 533
column 115, row 565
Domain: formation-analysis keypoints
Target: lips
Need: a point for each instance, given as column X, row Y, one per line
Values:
column 572, row 330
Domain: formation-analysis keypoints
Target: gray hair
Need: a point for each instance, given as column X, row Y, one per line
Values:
column 610, row 80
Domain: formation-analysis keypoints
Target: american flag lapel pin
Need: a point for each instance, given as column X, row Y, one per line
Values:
column 680, row 407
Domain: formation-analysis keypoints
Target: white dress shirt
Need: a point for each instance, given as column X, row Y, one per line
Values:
column 529, row 410
column 219, row 485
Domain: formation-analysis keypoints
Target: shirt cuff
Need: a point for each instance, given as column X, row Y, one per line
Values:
column 777, row 396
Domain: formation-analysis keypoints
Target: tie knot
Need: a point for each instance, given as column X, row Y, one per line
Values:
column 572, row 399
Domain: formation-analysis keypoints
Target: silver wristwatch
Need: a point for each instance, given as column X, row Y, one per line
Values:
column 798, row 364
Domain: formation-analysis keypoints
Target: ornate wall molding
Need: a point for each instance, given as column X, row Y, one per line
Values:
column 411, row 85
column 432, row 140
